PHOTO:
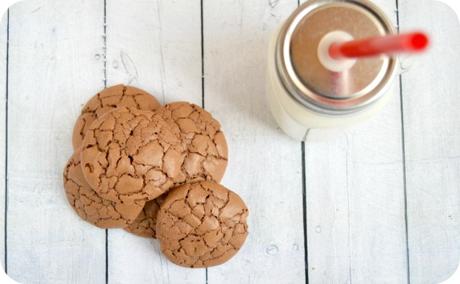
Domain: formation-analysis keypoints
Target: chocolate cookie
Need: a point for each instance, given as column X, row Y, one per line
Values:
column 207, row 152
column 92, row 208
column 130, row 154
column 107, row 100
column 201, row 224
column 145, row 224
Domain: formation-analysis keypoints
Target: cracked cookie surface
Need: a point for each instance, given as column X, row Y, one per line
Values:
column 145, row 223
column 92, row 208
column 107, row 100
column 130, row 154
column 201, row 224
column 207, row 151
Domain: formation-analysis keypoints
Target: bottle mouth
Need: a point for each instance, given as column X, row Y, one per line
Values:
column 324, row 55
column 311, row 79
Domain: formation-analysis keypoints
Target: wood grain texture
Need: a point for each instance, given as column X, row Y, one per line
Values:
column 432, row 133
column 264, row 165
column 53, row 70
column 155, row 45
column 355, row 199
column 3, row 69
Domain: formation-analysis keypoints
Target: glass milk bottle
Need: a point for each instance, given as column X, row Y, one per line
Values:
column 307, row 89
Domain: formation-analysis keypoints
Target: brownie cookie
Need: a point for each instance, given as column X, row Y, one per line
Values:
column 145, row 223
column 201, row 224
column 207, row 152
column 107, row 100
column 130, row 154
column 92, row 208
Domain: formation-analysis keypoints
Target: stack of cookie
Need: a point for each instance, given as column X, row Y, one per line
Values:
column 155, row 171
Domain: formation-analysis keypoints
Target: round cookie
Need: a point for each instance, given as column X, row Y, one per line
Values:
column 145, row 223
column 207, row 152
column 107, row 100
column 201, row 224
column 130, row 154
column 92, row 208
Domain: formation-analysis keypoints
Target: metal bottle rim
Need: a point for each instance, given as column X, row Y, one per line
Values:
column 301, row 93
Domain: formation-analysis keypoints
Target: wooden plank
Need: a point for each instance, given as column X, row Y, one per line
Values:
column 155, row 45
column 264, row 165
column 53, row 70
column 432, row 136
column 3, row 55
column 355, row 199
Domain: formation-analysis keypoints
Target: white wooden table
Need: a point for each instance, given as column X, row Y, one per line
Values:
column 376, row 203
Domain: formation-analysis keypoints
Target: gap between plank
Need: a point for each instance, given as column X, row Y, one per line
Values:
column 304, row 200
column 202, row 56
column 304, row 208
column 105, row 86
column 406, row 225
column 106, row 256
column 202, row 82
column 403, row 138
column 105, row 43
column 6, row 142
